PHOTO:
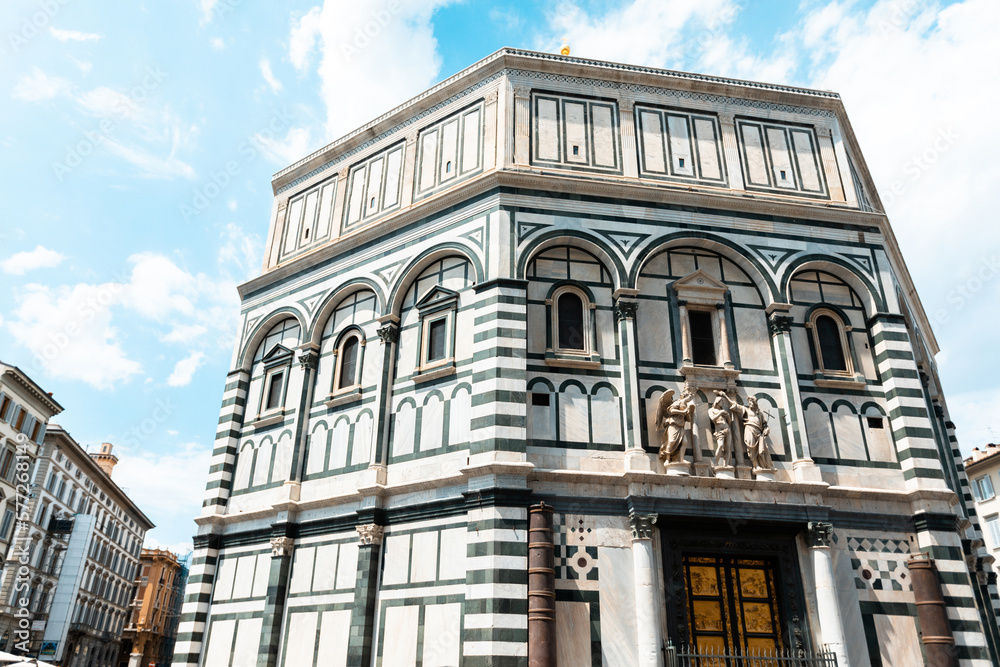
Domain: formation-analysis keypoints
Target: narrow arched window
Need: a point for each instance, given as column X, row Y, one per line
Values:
column 349, row 362
column 830, row 344
column 571, row 330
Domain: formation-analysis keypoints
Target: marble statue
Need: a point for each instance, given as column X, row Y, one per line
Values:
column 755, row 432
column 672, row 416
column 721, row 413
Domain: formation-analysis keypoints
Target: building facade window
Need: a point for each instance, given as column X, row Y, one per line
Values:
column 437, row 328
column 570, row 322
column 993, row 525
column 703, row 345
column 983, row 488
column 829, row 339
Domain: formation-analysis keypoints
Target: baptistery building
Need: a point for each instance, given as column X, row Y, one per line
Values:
column 566, row 362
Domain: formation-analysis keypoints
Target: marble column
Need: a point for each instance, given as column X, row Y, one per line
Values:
column 522, row 125
column 361, row 640
column 779, row 322
column 490, row 130
column 277, row 589
column 308, row 361
column 685, row 334
column 731, row 148
column 831, row 624
column 388, row 333
column 630, row 159
column 725, row 356
column 625, row 312
column 649, row 636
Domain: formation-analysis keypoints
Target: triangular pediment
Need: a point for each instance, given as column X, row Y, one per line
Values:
column 700, row 280
column 276, row 353
column 436, row 296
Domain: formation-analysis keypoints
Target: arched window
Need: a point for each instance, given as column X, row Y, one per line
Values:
column 570, row 321
column 830, row 343
column 273, row 361
column 349, row 354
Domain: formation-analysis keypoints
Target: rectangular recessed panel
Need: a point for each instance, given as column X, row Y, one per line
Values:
column 300, row 642
column 575, row 114
column 292, row 223
column 325, row 571
column 396, row 561
column 442, row 626
column 309, row 218
column 374, row 189
column 781, row 159
column 652, row 141
column 393, row 174
column 428, row 158
column 244, row 577
column 357, row 195
column 708, row 149
column 224, row 583
column 680, row 145
column 347, row 565
column 753, row 151
column 547, row 136
column 261, row 575
column 220, row 643
column 805, row 155
column 604, row 136
column 449, row 150
column 327, row 196
column 423, row 567
column 453, row 550
column 334, row 633
column 247, row 643
column 302, row 570
column 400, row 649
column 472, row 131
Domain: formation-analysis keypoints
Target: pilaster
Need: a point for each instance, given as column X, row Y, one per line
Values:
column 649, row 635
column 522, row 125
column 282, row 546
column 819, row 536
column 361, row 641
column 630, row 155
column 731, row 149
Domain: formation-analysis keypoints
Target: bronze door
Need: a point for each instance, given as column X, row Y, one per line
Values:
column 732, row 605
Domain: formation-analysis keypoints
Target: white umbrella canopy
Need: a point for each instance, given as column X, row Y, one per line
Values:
column 9, row 657
column 30, row 662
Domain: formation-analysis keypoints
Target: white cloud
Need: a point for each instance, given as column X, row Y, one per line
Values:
column 217, row 43
column 106, row 102
column 149, row 164
column 207, row 10
column 184, row 370
column 84, row 65
column 74, row 35
column 295, row 145
column 265, row 70
column 383, row 52
column 39, row 258
column 69, row 333
column 39, row 86
column 185, row 334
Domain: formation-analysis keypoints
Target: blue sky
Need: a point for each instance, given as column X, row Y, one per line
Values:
column 137, row 142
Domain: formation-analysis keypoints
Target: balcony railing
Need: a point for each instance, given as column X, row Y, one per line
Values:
column 687, row 656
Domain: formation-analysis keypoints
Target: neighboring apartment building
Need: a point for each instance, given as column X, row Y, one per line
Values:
column 151, row 628
column 983, row 470
column 25, row 409
column 668, row 306
column 85, row 539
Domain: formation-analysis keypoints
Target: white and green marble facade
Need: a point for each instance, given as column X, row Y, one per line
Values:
column 385, row 522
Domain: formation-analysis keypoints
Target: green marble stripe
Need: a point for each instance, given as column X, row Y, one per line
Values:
column 893, row 354
column 494, row 548
column 959, row 602
column 496, row 605
column 499, row 351
column 904, row 392
column 918, row 453
column 908, row 411
column 498, row 373
column 498, row 332
column 501, row 315
column 488, row 421
column 896, row 336
column 499, row 396
column 495, row 635
column 913, row 432
column 922, row 473
column 497, row 576
column 894, row 372
column 496, row 445
column 493, row 661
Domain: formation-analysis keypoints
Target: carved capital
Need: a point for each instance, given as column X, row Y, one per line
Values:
column 282, row 546
column 779, row 324
column 342, row 173
column 824, row 131
column 642, row 526
column 389, row 333
column 819, row 534
column 370, row 534
column 625, row 310
column 727, row 118
column 308, row 359
column 492, row 96
column 626, row 104
column 522, row 92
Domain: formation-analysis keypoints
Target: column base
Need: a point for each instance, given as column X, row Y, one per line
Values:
column 702, row 469
column 763, row 474
column 725, row 472
column 678, row 469
column 637, row 460
column 805, row 470
column 743, row 472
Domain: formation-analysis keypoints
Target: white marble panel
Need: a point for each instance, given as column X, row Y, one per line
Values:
column 396, row 559
column 442, row 626
column 243, row 584
column 849, row 440
column 806, row 156
column 338, row 443
column 781, row 159
column 431, row 423
column 308, row 218
column 261, row 575
column 356, row 202
column 400, row 647
column 402, row 430
column 574, row 418
column 606, row 417
column 572, row 633
column 300, row 642
column 347, row 565
column 818, row 431
column 650, row 125
column 448, row 168
column 575, row 123
column 754, row 339
column 423, row 563
column 243, row 465
column 708, row 151
column 864, row 355
column 428, row 158
column 247, row 643
column 879, row 444
column 606, row 334
column 541, row 419
column 680, row 145
column 753, row 149
column 262, row 464
column 292, row 223
column 220, row 642
column 393, row 174
column 536, row 329
column 453, row 553
column 325, row 570
column 898, row 641
column 282, row 457
column 460, row 417
column 800, row 348
column 618, row 631
column 472, row 132
column 224, row 582
column 653, row 331
column 604, row 136
column 302, row 570
column 328, row 196
column 317, row 449
column 334, row 634
column 361, row 445
column 373, row 191
column 547, row 141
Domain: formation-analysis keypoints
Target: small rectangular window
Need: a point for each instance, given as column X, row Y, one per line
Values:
column 702, row 337
column 540, row 399
column 436, row 339
column 993, row 523
column 984, row 486
column 875, row 422
column 3, row 407
column 680, row 162
column 274, row 391
column 783, row 175
column 576, row 150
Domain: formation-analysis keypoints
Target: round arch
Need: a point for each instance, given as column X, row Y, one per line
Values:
column 261, row 330
column 573, row 239
column 734, row 252
column 417, row 265
column 335, row 298
column 866, row 291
